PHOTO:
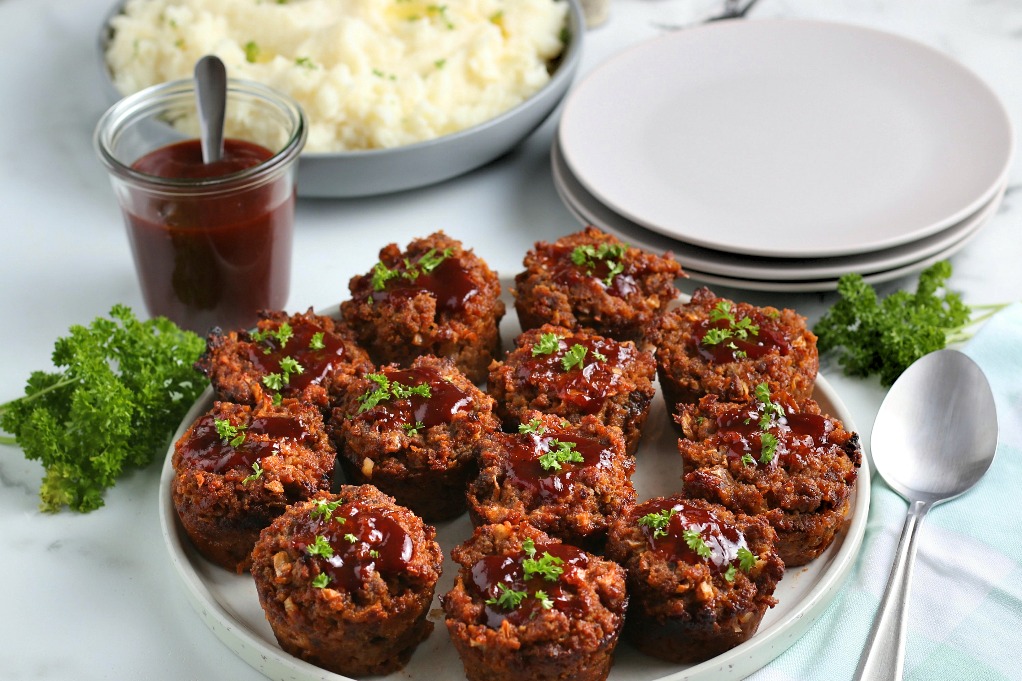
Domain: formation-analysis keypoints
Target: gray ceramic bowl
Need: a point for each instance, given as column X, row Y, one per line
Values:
column 380, row 171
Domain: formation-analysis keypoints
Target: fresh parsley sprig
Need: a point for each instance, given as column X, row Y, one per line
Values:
column 559, row 453
column 427, row 262
column 658, row 521
column 228, row 432
column 509, row 598
column 736, row 328
column 548, row 344
column 587, row 256
column 387, row 389
column 870, row 336
column 120, row 390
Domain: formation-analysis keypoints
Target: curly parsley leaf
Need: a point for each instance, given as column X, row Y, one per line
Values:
column 574, row 357
column 535, row 426
column 658, row 521
column 868, row 335
column 548, row 343
column 257, row 472
column 509, row 598
column 321, row 547
column 696, row 542
column 546, row 566
column 746, row 559
column 559, row 453
column 121, row 388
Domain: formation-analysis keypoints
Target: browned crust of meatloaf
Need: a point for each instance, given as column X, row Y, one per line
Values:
column 807, row 502
column 623, row 404
column 552, row 646
column 685, row 376
column 400, row 328
column 684, row 612
column 221, row 513
column 235, row 378
column 370, row 631
column 427, row 471
column 581, row 516
column 540, row 298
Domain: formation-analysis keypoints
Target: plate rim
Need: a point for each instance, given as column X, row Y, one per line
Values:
column 996, row 110
column 736, row 663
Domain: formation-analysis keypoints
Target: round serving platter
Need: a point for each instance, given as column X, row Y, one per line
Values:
column 227, row 603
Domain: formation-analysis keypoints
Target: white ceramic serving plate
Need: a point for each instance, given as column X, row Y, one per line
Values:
column 814, row 272
column 227, row 603
column 787, row 138
column 381, row 171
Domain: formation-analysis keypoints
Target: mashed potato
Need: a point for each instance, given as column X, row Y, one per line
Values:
column 368, row 73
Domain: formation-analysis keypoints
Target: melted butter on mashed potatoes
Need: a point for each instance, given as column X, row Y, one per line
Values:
column 368, row 73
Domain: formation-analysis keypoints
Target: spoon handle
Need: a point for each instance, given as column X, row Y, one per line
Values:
column 211, row 93
column 884, row 657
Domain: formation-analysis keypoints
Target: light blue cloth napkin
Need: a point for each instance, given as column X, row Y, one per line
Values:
column 965, row 606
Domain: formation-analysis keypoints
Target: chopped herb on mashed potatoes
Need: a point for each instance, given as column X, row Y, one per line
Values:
column 369, row 73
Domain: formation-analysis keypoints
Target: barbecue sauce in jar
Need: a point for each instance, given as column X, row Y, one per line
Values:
column 211, row 258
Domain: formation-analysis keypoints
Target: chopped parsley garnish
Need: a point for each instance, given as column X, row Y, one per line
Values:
column 509, row 598
column 546, row 566
column 696, row 542
column 305, row 62
column 321, row 547
column 228, row 432
column 257, row 472
column 767, row 447
column 431, row 260
column 324, row 509
column 533, row 426
column 746, row 559
column 274, row 381
column 748, row 460
column 316, row 342
column 381, row 275
column 251, row 52
column 282, row 334
column 277, row 381
column 559, row 453
column 771, row 409
column 658, row 521
column 321, row 580
column 599, row 355
column 587, row 256
column 736, row 328
column 548, row 343
column 574, row 357
column 288, row 365
column 373, row 553
column 729, row 574
column 545, row 601
column 387, row 389
column 413, row 428
column 350, row 538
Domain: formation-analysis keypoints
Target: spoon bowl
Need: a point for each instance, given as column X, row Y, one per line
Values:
column 933, row 439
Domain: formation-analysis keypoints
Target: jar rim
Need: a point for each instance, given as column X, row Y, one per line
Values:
column 154, row 96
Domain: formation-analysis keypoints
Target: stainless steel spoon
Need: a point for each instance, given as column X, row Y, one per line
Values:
column 211, row 99
column 934, row 438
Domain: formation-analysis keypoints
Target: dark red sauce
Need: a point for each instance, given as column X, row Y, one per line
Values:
column 380, row 545
column 206, row 450
column 450, row 283
column 798, row 435
column 585, row 388
column 525, row 470
column 564, row 271
column 214, row 260
column 444, row 401
column 723, row 539
column 766, row 340
column 490, row 571
column 316, row 363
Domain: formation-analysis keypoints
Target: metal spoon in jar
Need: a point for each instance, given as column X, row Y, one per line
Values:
column 211, row 99
column 933, row 439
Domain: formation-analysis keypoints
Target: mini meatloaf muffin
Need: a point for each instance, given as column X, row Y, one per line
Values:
column 238, row 467
column 525, row 606
column 414, row 433
column 713, row 346
column 592, row 280
column 572, row 374
column 700, row 578
column 306, row 356
column 568, row 480
column 346, row 581
column 435, row 298
column 774, row 457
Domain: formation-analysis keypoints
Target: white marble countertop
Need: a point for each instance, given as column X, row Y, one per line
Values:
column 94, row 596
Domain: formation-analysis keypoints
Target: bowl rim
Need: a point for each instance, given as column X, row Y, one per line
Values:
column 567, row 64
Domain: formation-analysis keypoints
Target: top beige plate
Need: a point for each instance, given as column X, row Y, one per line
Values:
column 787, row 138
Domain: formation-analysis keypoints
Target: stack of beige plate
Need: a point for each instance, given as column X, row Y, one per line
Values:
column 780, row 155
